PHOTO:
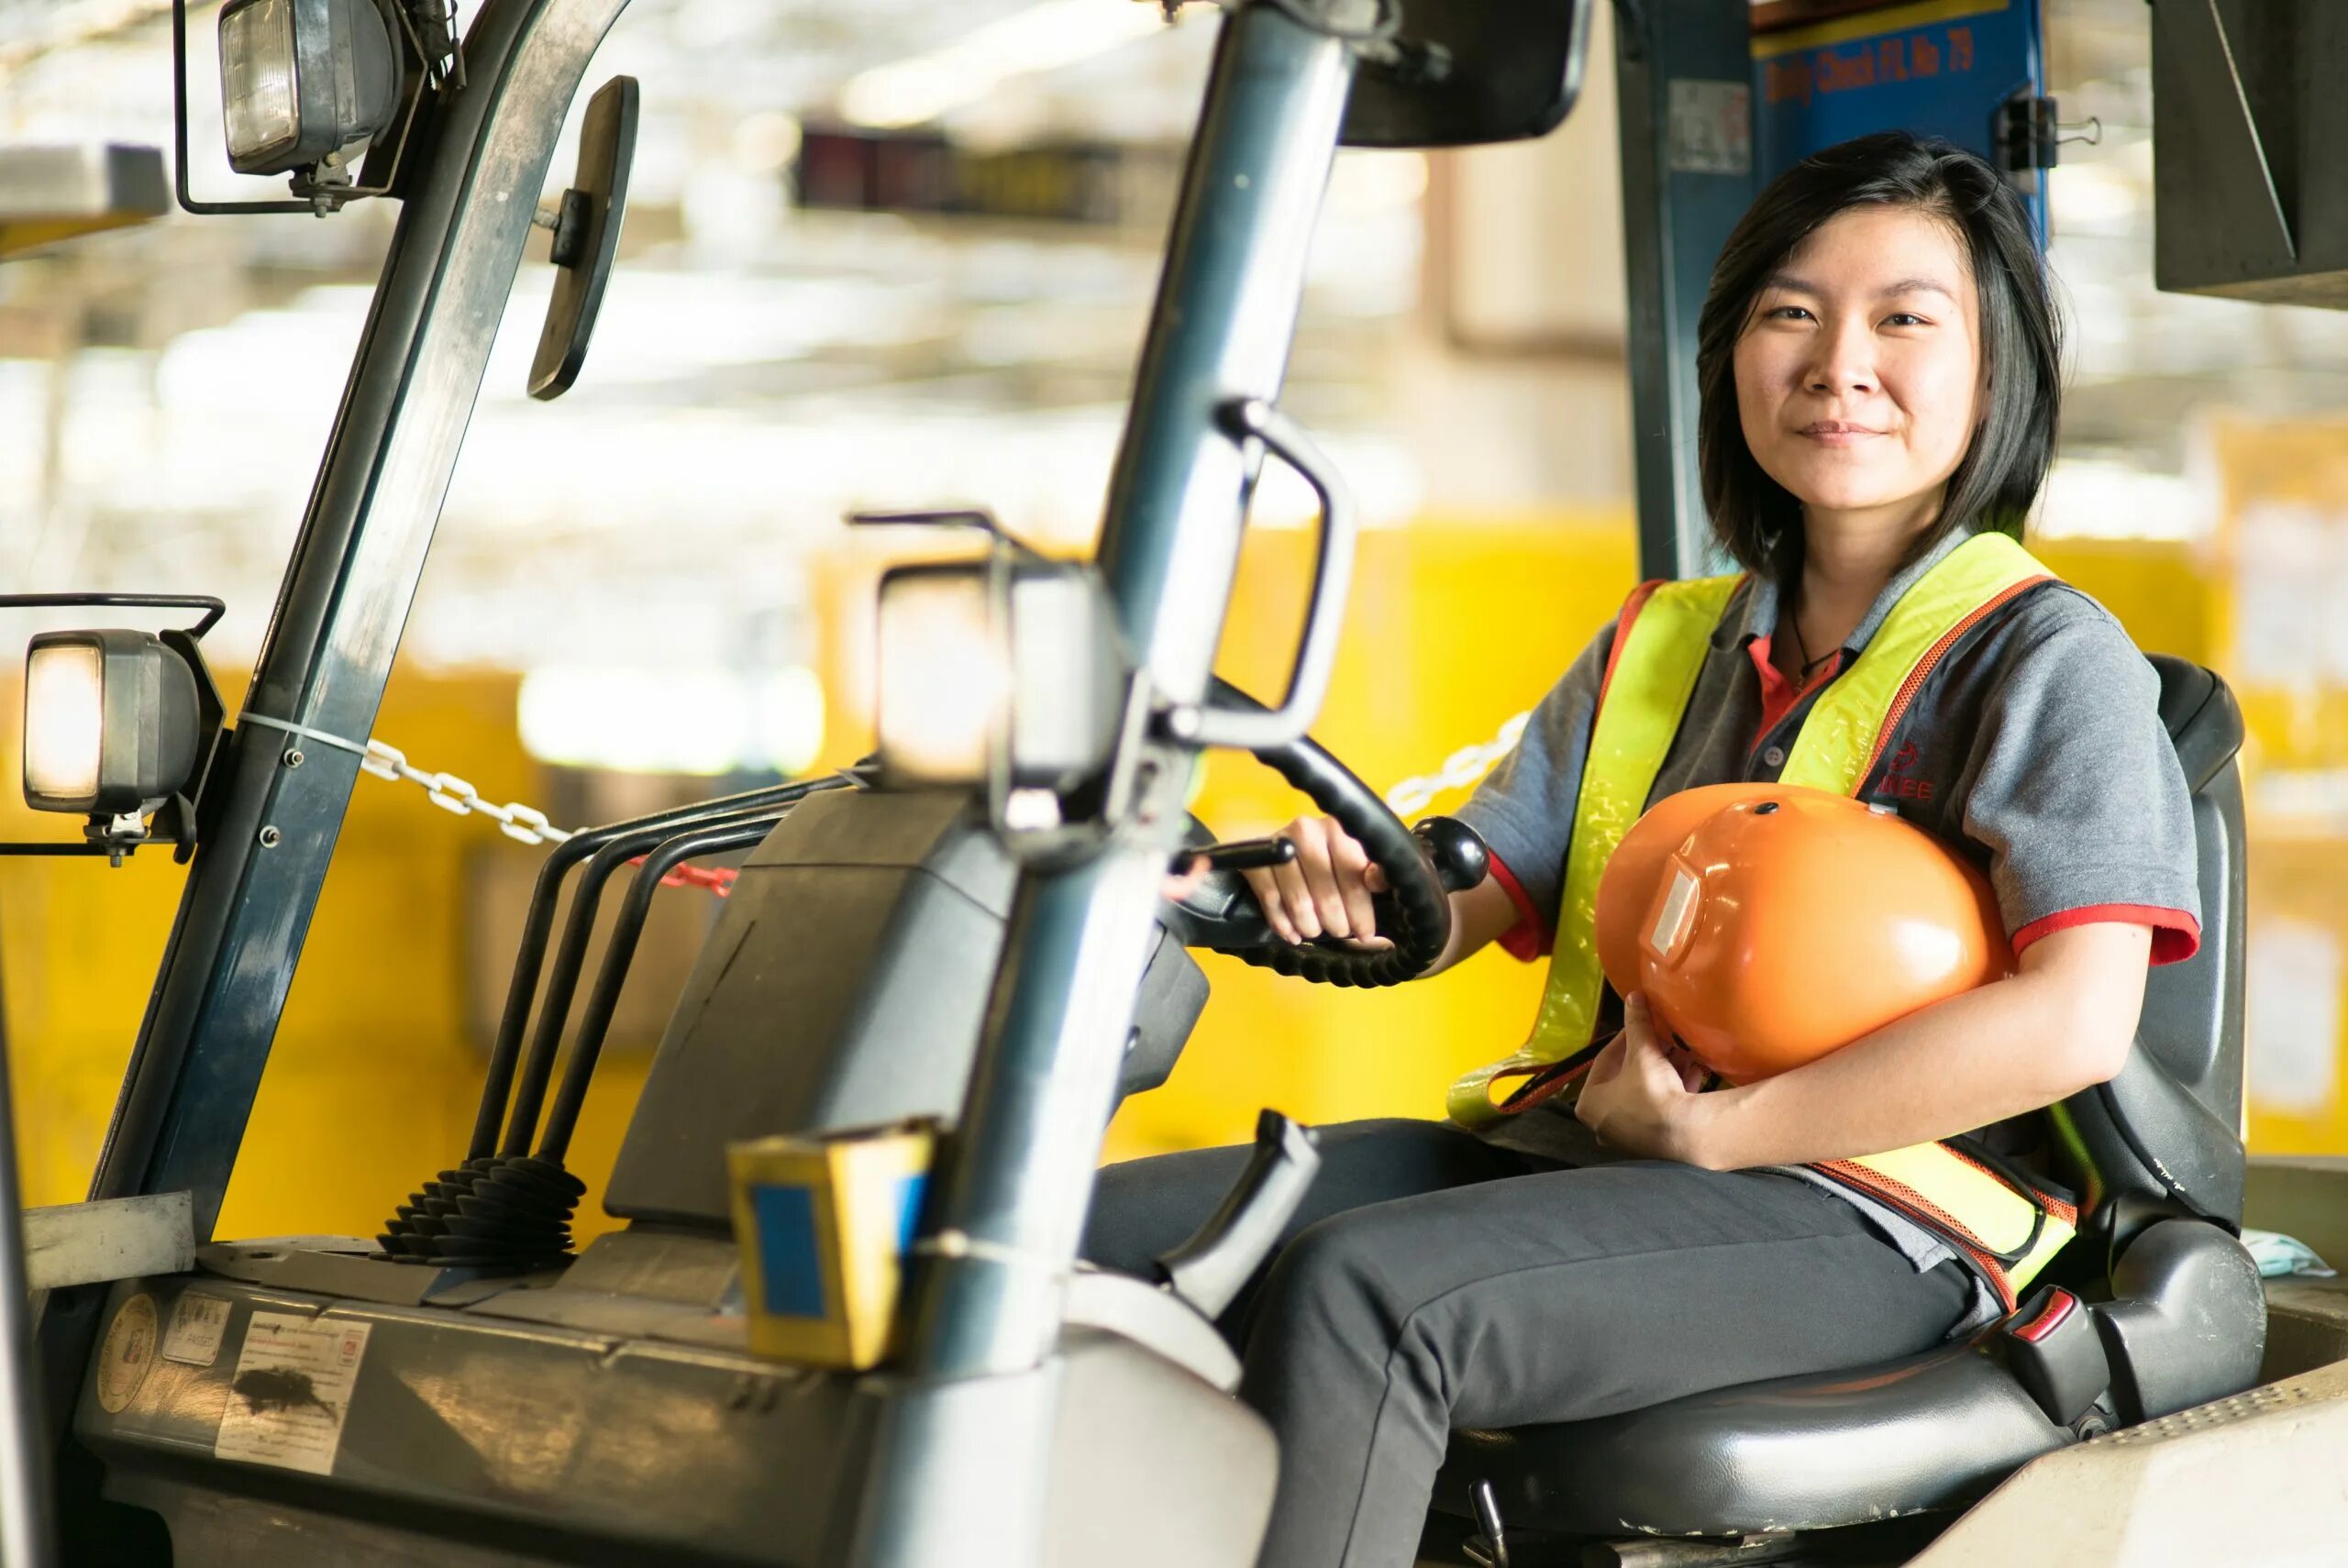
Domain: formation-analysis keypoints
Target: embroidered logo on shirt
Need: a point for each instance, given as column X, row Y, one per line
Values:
column 1899, row 779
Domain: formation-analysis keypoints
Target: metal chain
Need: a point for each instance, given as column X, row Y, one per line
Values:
column 1460, row 769
column 526, row 824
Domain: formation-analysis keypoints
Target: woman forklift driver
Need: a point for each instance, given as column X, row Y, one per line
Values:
column 1879, row 370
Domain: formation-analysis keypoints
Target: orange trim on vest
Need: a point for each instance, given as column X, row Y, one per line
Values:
column 1899, row 1196
column 1629, row 612
column 1932, row 656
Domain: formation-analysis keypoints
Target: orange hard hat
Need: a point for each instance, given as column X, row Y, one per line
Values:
column 1780, row 922
column 1631, row 877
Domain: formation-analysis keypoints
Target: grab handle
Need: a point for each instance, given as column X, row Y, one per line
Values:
column 1208, row 723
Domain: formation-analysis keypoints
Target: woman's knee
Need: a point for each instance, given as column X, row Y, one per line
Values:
column 1328, row 1280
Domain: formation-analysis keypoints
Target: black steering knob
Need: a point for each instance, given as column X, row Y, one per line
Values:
column 1461, row 860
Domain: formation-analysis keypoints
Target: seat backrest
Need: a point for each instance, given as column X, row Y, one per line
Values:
column 2166, row 1136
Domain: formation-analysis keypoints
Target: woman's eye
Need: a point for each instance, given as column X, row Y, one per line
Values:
column 1788, row 312
column 1905, row 318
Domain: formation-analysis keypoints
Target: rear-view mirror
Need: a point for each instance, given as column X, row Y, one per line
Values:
column 586, row 223
column 1471, row 71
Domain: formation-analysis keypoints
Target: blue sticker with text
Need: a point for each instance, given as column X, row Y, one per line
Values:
column 1938, row 68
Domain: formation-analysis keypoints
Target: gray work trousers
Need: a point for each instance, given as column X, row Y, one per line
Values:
column 1432, row 1281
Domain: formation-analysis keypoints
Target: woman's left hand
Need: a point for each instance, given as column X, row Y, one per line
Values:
column 1642, row 1095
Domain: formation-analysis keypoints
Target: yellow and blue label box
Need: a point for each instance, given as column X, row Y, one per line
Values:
column 824, row 1223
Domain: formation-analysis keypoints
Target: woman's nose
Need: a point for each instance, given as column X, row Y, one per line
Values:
column 1843, row 362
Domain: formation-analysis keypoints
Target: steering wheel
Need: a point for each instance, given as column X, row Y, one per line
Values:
column 1422, row 869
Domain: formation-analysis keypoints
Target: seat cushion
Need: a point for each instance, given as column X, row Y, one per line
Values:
column 1932, row 1432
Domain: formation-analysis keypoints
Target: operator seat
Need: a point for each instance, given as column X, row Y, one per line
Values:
column 2172, row 1295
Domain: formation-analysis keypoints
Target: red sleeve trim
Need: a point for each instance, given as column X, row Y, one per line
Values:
column 2177, row 935
column 1631, row 608
column 1530, row 937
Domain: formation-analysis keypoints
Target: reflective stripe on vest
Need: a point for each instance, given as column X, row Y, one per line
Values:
column 1659, row 649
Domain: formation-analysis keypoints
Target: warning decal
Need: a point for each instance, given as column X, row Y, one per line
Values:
column 292, row 1392
column 128, row 1351
column 197, row 1322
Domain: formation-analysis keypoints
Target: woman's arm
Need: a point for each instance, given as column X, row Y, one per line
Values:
column 1480, row 916
column 2066, row 1022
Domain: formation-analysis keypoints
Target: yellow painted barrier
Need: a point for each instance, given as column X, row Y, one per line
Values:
column 1455, row 623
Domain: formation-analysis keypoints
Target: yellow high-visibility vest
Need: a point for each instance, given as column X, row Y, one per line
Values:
column 2005, row 1225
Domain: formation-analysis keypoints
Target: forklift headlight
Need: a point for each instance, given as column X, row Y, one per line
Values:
column 113, row 722
column 997, row 664
column 303, row 79
column 944, row 674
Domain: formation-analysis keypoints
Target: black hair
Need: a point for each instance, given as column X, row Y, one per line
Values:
column 1755, row 519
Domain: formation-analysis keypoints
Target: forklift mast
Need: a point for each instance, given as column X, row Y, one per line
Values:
column 253, row 883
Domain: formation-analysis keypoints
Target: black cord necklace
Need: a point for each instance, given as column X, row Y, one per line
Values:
column 1802, row 649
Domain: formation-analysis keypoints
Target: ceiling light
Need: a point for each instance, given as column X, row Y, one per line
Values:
column 1042, row 38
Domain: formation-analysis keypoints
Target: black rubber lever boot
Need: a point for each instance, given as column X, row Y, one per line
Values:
column 2050, row 1346
column 1210, row 1268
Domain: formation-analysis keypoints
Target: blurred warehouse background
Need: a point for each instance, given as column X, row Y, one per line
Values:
column 889, row 253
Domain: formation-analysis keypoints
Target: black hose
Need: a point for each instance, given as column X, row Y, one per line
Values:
column 618, row 953
column 570, row 958
column 539, row 926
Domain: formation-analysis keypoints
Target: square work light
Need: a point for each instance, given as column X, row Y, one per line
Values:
column 997, row 669
column 304, row 79
column 113, row 722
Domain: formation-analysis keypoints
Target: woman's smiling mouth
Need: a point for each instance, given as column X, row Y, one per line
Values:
column 1837, row 433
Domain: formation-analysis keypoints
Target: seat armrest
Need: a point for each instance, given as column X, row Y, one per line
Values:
column 2187, row 1323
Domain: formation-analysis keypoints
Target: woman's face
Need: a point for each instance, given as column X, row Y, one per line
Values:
column 1859, row 377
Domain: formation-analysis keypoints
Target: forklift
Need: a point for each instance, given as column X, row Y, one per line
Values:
column 969, row 927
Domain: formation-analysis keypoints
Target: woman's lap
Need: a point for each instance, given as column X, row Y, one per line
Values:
column 1404, row 1306
column 1144, row 1207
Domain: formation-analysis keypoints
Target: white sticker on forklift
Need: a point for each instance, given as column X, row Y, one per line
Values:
column 198, row 1322
column 292, row 1392
column 128, row 1351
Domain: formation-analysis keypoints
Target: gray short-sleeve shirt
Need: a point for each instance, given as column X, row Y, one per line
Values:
column 2035, row 747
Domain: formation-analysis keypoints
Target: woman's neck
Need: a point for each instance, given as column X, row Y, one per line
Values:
column 1847, row 557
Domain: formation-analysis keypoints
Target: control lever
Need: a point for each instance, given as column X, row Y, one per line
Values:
column 1208, row 1270
column 1239, row 854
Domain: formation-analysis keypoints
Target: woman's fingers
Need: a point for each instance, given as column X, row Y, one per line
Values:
column 1351, row 862
column 1269, row 898
column 1180, row 885
column 1322, row 875
column 1639, row 1026
column 1296, row 892
column 1324, row 891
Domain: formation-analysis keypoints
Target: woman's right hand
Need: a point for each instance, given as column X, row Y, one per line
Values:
column 1325, row 890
